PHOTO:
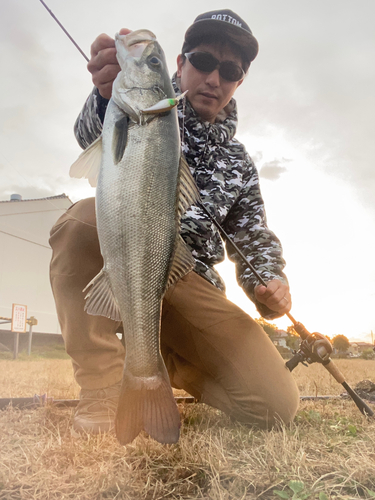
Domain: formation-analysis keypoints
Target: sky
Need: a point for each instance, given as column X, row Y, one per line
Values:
column 306, row 117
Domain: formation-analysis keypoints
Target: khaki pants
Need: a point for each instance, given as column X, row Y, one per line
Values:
column 212, row 349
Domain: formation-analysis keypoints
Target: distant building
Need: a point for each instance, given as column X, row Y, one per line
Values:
column 279, row 338
column 25, row 256
column 356, row 348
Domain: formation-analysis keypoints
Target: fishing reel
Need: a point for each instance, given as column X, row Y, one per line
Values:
column 314, row 348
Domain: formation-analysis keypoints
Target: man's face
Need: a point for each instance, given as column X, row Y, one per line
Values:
column 208, row 93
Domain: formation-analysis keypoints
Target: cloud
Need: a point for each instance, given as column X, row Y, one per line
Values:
column 313, row 80
column 272, row 170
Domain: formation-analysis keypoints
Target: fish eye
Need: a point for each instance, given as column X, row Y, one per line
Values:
column 155, row 61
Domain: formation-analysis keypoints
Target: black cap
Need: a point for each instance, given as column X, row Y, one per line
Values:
column 226, row 24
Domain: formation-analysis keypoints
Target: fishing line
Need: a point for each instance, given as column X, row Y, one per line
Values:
column 57, row 208
column 14, row 168
column 24, row 239
column 28, row 213
column 182, row 138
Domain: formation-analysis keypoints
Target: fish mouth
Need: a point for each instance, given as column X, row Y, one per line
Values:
column 136, row 41
column 140, row 36
column 137, row 36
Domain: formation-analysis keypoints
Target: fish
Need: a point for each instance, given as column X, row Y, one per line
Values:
column 144, row 186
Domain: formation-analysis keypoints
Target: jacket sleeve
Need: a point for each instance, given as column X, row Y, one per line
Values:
column 89, row 123
column 246, row 223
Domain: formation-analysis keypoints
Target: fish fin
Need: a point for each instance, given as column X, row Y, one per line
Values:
column 189, row 193
column 87, row 164
column 120, row 138
column 183, row 262
column 100, row 300
column 147, row 403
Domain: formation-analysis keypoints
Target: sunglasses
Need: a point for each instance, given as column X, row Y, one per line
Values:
column 206, row 62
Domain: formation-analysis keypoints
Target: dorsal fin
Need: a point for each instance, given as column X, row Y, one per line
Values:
column 87, row 164
column 189, row 193
column 183, row 261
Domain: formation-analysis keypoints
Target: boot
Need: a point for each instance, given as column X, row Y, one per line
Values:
column 96, row 410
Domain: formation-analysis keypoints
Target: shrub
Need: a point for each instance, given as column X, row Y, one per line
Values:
column 367, row 354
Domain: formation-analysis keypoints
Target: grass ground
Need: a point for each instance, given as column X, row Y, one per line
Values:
column 327, row 453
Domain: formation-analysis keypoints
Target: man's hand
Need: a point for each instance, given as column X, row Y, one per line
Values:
column 103, row 64
column 275, row 296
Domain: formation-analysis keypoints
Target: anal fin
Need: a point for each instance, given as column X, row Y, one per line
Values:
column 183, row 262
column 100, row 300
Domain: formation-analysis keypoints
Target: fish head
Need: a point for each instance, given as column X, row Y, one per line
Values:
column 144, row 79
column 132, row 45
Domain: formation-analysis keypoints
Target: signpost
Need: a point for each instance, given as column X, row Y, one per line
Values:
column 19, row 317
column 18, row 325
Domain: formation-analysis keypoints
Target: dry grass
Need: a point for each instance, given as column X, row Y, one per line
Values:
column 329, row 449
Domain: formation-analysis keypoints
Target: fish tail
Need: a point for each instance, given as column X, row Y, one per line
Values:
column 147, row 403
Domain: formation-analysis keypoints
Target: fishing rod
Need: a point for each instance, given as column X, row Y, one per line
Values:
column 65, row 31
column 314, row 347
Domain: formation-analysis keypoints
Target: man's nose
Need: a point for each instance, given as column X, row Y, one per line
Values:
column 213, row 78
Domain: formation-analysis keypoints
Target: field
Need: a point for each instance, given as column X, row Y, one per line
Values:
column 328, row 452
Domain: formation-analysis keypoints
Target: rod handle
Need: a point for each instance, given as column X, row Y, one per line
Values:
column 334, row 371
column 364, row 408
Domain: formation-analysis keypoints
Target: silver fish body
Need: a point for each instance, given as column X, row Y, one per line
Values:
column 142, row 190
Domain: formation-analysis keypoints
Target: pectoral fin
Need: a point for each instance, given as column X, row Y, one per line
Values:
column 120, row 138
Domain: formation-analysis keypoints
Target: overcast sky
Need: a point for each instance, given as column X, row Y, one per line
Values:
column 306, row 116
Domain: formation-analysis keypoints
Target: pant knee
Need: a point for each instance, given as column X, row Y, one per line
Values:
column 74, row 242
column 267, row 413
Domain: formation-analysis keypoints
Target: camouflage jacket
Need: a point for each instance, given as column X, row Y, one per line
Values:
column 228, row 183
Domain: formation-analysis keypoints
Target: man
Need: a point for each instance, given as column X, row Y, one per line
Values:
column 211, row 348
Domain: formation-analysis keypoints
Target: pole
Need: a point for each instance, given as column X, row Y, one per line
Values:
column 30, row 340
column 16, row 344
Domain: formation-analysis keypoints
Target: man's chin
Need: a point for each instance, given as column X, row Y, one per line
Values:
column 206, row 113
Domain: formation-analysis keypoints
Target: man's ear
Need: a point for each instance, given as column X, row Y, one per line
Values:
column 240, row 82
column 180, row 63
